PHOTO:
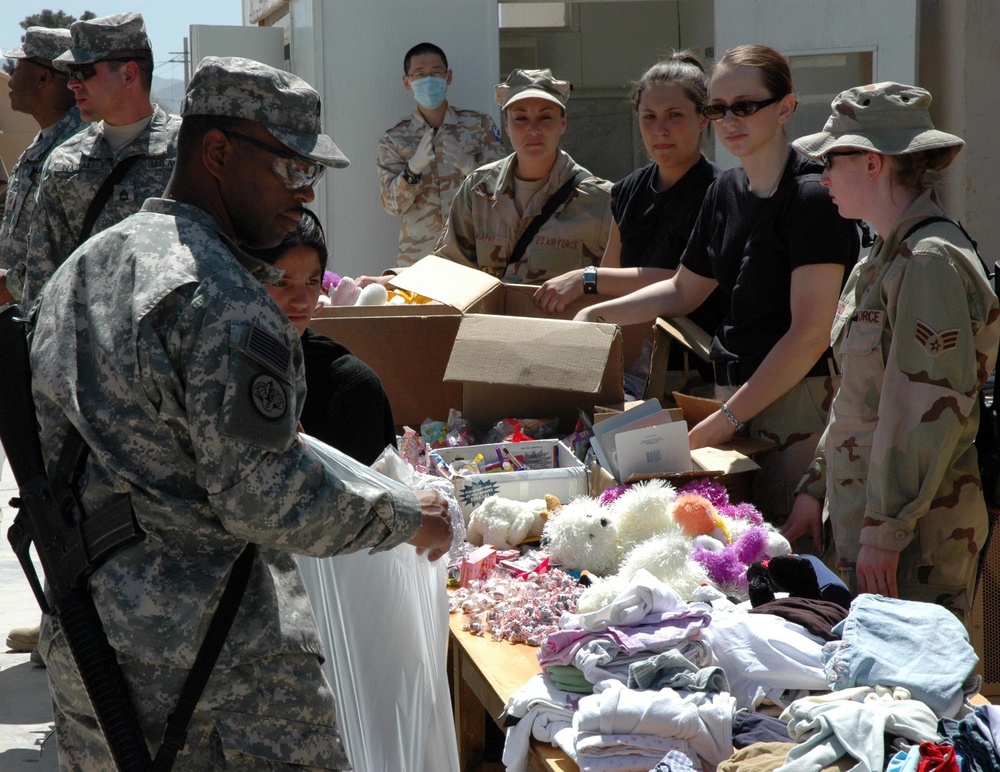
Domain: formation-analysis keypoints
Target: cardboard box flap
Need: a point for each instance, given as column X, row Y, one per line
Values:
column 539, row 353
column 725, row 459
column 688, row 334
column 446, row 281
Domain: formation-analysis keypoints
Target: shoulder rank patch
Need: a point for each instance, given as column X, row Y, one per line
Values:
column 936, row 343
column 268, row 396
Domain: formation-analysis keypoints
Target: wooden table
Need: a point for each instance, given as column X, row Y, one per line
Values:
column 485, row 674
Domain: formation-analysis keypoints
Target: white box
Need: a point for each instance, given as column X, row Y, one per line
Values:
column 552, row 468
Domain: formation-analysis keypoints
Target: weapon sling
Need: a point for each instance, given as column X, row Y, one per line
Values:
column 103, row 194
column 556, row 200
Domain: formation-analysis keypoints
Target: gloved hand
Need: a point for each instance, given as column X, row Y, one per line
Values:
column 454, row 153
column 421, row 157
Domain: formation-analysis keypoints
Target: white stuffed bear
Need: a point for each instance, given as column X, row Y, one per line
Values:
column 583, row 536
column 505, row 523
column 644, row 511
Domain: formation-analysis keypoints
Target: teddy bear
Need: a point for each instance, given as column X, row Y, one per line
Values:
column 582, row 535
column 505, row 523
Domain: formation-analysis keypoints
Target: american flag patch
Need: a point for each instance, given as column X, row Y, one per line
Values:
column 936, row 343
column 268, row 350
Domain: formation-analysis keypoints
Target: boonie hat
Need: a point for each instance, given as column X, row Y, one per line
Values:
column 532, row 84
column 102, row 38
column 889, row 118
column 283, row 103
column 42, row 43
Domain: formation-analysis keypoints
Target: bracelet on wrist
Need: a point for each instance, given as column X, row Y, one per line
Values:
column 732, row 419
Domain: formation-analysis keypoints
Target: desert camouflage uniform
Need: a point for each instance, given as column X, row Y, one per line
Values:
column 186, row 381
column 916, row 336
column 423, row 208
column 24, row 179
column 483, row 225
column 71, row 178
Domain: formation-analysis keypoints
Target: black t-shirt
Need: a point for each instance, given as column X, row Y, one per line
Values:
column 655, row 226
column 751, row 245
column 346, row 406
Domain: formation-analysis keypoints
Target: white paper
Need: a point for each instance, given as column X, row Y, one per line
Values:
column 653, row 450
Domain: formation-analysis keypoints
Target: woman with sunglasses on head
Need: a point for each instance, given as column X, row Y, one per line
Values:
column 770, row 237
column 655, row 207
column 916, row 337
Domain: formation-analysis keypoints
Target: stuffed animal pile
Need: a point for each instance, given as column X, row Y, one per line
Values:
column 686, row 538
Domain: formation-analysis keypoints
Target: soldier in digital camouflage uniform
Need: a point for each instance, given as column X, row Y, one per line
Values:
column 159, row 342
column 495, row 204
column 424, row 158
column 916, row 335
column 110, row 64
column 37, row 88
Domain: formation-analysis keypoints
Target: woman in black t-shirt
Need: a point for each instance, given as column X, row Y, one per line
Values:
column 770, row 237
column 655, row 207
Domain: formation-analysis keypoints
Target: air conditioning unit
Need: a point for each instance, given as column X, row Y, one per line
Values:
column 517, row 52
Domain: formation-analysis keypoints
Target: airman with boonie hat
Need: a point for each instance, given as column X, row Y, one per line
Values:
column 528, row 84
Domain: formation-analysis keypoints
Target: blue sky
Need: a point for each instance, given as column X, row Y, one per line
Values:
column 167, row 21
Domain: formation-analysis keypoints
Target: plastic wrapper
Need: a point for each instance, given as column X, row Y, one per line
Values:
column 383, row 621
column 522, row 430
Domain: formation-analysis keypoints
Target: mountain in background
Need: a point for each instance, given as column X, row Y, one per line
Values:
column 168, row 93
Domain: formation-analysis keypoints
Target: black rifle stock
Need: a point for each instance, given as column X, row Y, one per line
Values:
column 69, row 548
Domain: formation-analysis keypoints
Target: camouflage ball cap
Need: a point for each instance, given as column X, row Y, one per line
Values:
column 283, row 103
column 532, row 84
column 42, row 43
column 888, row 118
column 105, row 37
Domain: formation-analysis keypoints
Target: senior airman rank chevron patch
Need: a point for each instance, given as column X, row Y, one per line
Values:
column 936, row 343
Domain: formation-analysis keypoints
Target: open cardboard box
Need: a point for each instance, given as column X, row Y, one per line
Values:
column 667, row 333
column 512, row 362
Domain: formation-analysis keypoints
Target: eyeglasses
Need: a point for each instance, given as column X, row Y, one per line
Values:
column 433, row 74
column 739, row 109
column 295, row 171
column 87, row 71
column 20, row 62
column 827, row 158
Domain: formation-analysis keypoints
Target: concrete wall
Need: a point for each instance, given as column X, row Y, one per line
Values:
column 352, row 52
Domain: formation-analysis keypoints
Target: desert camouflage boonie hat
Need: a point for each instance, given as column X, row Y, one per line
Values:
column 103, row 38
column 889, row 118
column 532, row 84
column 283, row 103
column 42, row 43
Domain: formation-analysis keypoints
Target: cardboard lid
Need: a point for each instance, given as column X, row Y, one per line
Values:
column 541, row 353
column 688, row 334
column 446, row 281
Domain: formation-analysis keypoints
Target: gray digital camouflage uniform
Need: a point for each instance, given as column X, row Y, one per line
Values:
column 158, row 343
column 916, row 337
column 484, row 225
column 423, row 208
column 24, row 178
column 72, row 176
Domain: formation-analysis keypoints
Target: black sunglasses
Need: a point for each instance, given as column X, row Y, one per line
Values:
column 87, row 71
column 827, row 158
column 739, row 109
column 295, row 171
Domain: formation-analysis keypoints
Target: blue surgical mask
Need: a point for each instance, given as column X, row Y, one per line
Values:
column 429, row 92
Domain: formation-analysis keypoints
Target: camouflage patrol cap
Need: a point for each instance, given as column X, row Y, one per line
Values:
column 41, row 43
column 101, row 38
column 888, row 118
column 528, row 84
column 283, row 103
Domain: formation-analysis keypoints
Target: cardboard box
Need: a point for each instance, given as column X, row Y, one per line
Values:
column 668, row 333
column 478, row 348
column 552, row 468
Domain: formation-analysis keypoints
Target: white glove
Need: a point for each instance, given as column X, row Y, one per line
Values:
column 421, row 157
column 454, row 153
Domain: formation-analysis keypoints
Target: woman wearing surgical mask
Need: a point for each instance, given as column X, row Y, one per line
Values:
column 424, row 158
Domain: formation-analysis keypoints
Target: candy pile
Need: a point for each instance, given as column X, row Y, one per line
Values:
column 516, row 610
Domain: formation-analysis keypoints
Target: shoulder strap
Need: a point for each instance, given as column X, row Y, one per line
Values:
column 555, row 201
column 103, row 194
column 175, row 732
column 931, row 220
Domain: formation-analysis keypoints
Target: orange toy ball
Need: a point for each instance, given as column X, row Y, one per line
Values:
column 694, row 514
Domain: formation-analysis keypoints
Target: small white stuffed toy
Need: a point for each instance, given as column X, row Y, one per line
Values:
column 505, row 523
column 583, row 536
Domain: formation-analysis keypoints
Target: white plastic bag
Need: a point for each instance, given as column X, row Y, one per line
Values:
column 383, row 621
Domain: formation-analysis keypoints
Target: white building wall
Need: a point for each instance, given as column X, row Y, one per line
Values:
column 352, row 52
